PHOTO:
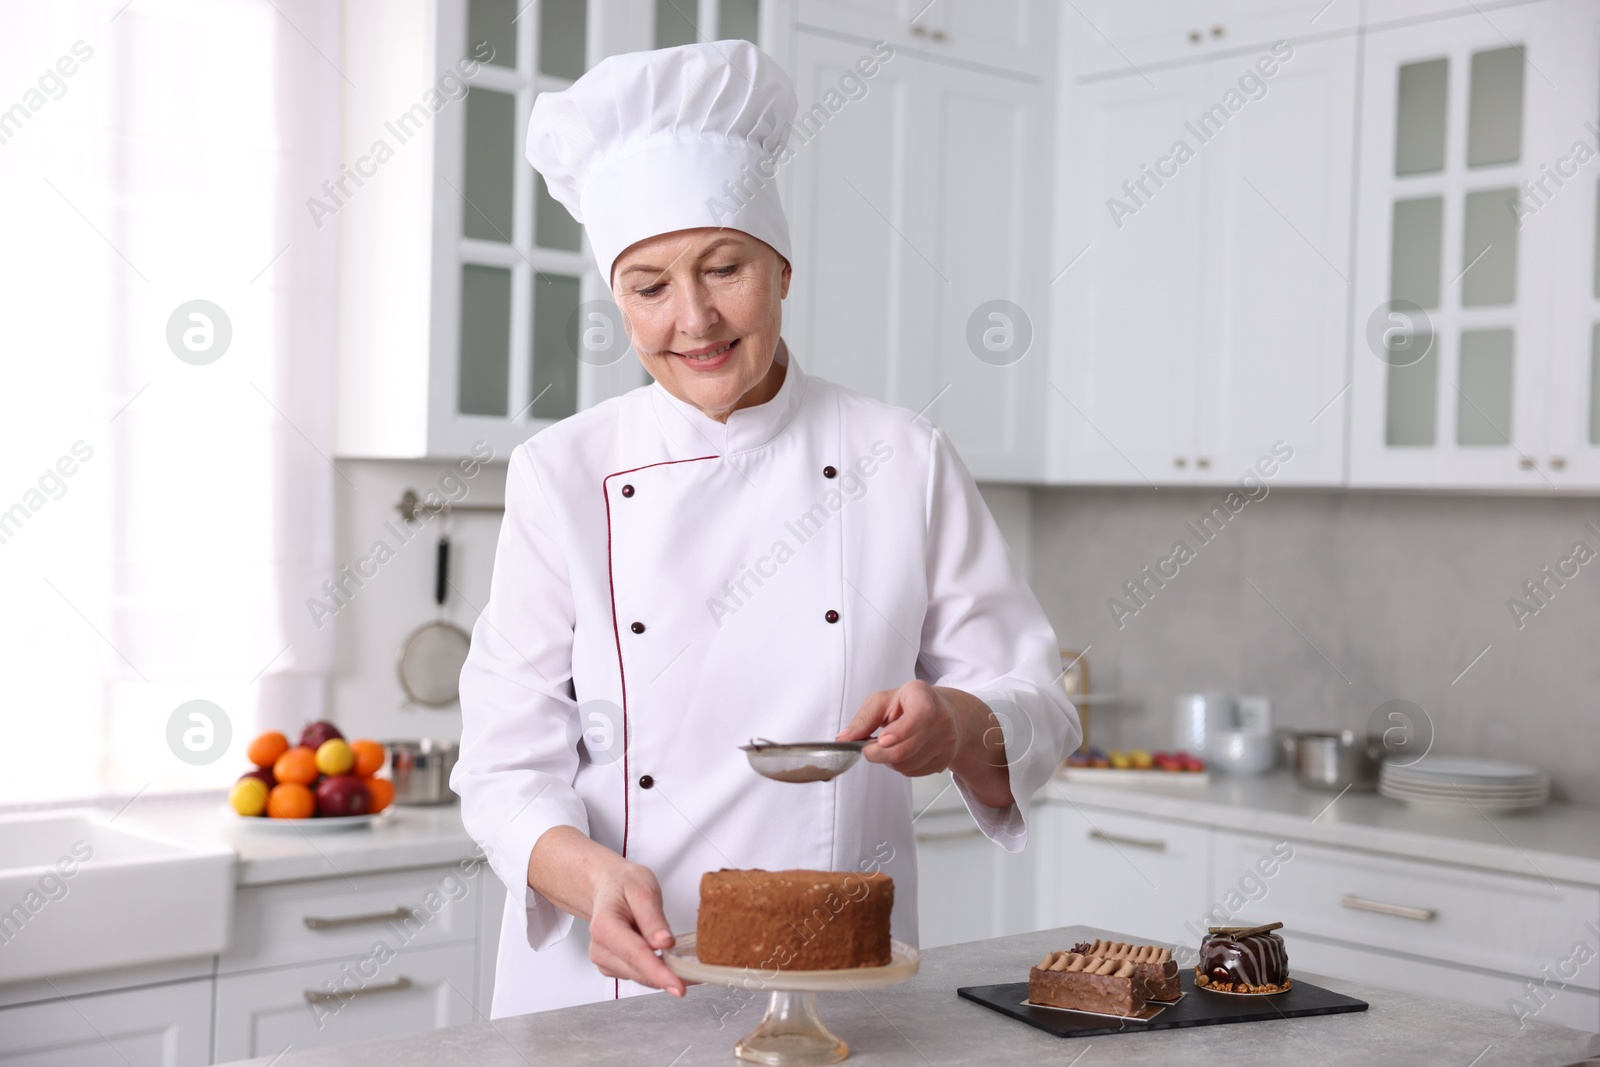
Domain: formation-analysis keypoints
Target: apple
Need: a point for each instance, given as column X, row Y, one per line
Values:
column 318, row 732
column 262, row 774
column 342, row 794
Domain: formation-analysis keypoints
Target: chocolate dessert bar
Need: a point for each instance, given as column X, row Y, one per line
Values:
column 1085, row 983
column 1154, row 968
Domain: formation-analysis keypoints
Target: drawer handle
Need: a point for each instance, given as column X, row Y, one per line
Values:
column 1399, row 911
column 397, row 915
column 320, row 996
column 949, row 835
column 1137, row 842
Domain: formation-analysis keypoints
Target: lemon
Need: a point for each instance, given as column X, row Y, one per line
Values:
column 335, row 756
column 248, row 796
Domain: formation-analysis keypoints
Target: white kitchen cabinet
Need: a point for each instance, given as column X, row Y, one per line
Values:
column 1473, row 355
column 1570, row 1006
column 1145, row 878
column 915, row 213
column 461, row 281
column 1429, row 910
column 157, row 1026
column 364, row 997
column 1009, row 35
column 1204, row 239
column 968, row 888
column 1111, row 37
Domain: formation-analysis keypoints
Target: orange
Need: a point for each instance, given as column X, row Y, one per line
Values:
column 265, row 750
column 290, row 800
column 382, row 792
column 297, row 766
column 369, row 757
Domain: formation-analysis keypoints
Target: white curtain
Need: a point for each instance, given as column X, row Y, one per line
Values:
column 164, row 511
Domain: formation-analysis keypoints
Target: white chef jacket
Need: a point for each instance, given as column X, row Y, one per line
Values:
column 667, row 587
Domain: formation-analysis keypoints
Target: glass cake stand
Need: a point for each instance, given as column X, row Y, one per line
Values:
column 791, row 1034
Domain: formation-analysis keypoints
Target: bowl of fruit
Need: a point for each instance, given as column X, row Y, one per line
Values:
column 322, row 783
column 1096, row 764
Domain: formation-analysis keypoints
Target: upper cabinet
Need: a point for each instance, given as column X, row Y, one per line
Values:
column 1007, row 35
column 918, row 185
column 1203, row 257
column 1111, row 37
column 1475, row 296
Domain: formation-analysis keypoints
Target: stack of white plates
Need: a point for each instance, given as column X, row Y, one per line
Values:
column 1457, row 784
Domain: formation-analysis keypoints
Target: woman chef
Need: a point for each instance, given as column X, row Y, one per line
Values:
column 736, row 550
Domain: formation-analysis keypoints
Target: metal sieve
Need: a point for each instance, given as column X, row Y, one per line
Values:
column 806, row 761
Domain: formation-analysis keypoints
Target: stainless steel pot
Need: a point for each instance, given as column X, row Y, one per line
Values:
column 1337, row 760
column 421, row 770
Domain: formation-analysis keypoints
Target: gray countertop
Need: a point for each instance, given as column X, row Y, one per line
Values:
column 1558, row 841
column 923, row 1023
column 405, row 837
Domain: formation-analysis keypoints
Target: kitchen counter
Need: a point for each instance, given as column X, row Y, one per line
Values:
column 923, row 1023
column 1558, row 841
column 409, row 837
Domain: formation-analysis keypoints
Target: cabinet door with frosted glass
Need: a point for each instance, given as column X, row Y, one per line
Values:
column 1454, row 320
column 523, row 332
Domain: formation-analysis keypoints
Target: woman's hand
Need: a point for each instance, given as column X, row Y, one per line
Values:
column 620, row 899
column 627, row 925
column 928, row 729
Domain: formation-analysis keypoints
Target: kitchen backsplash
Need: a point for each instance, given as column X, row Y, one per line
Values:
column 1482, row 610
column 1330, row 603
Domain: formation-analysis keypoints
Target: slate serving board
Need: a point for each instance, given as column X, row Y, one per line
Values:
column 1197, row 1008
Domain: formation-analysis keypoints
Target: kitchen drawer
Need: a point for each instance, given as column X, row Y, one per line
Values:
column 332, row 918
column 162, row 1026
column 1498, row 922
column 1144, row 878
column 1569, row 1007
column 263, row 1013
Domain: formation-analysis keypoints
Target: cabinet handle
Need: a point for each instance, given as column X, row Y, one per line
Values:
column 1194, row 37
column 398, row 914
column 322, row 996
column 949, row 835
column 1399, row 911
column 1153, row 843
column 1558, row 463
column 1204, row 463
column 1180, row 462
column 1525, row 463
column 918, row 30
column 1216, row 31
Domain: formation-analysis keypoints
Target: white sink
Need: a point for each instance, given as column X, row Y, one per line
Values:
column 79, row 892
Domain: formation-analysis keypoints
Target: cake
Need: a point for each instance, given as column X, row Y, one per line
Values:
column 794, row 920
column 1154, row 968
column 1237, row 959
column 1086, row 983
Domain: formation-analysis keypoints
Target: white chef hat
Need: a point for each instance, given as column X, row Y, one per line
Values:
column 652, row 142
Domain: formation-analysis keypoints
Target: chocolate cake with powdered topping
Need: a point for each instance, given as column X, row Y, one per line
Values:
column 794, row 920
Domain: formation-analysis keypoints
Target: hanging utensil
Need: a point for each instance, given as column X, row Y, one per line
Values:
column 432, row 655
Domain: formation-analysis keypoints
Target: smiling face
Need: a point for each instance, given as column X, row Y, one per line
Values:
column 703, row 309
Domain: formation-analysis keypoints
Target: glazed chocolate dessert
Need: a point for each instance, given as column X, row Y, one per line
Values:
column 794, row 920
column 1155, row 971
column 1236, row 959
column 1086, row 983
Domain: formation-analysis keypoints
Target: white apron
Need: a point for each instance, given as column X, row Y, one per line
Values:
column 667, row 587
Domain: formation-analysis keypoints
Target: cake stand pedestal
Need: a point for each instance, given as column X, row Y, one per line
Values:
column 791, row 1034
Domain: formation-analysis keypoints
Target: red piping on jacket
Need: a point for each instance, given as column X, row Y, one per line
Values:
column 616, row 634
